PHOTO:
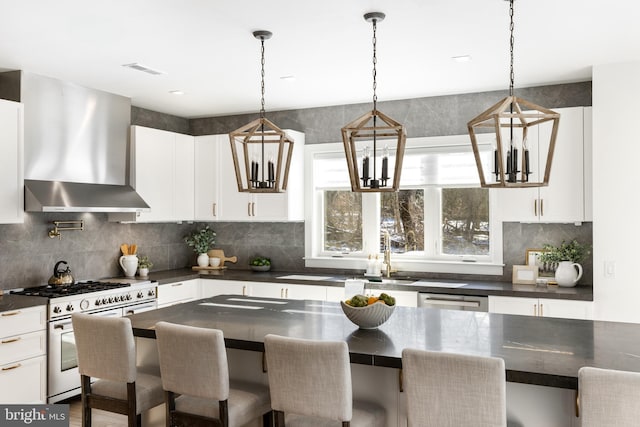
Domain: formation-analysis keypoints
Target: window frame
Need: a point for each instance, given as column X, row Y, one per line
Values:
column 491, row 264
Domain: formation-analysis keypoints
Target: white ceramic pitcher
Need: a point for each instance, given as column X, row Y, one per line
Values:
column 566, row 274
column 129, row 264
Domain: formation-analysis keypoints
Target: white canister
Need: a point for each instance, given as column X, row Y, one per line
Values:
column 129, row 264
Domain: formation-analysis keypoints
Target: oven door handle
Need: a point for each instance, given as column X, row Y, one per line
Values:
column 62, row 325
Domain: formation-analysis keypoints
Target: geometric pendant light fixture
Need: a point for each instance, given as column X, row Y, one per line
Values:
column 374, row 143
column 261, row 151
column 517, row 126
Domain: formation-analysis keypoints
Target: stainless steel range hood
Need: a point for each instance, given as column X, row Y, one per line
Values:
column 75, row 146
column 58, row 196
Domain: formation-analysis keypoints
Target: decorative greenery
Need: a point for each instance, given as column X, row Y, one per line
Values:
column 201, row 240
column 572, row 251
column 144, row 262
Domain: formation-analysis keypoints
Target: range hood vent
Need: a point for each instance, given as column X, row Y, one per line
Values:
column 59, row 196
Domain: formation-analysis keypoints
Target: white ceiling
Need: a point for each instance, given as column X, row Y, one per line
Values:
column 206, row 49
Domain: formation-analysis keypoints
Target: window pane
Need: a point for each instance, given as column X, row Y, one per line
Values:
column 465, row 221
column 402, row 215
column 342, row 221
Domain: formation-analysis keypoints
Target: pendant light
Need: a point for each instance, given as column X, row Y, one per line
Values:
column 261, row 151
column 376, row 138
column 518, row 121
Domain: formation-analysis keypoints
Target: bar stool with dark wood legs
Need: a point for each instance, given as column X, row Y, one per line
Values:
column 446, row 389
column 310, row 385
column 195, row 377
column 106, row 350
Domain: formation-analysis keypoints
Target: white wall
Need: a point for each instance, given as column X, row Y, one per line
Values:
column 616, row 190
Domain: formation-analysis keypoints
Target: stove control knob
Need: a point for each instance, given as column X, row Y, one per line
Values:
column 111, row 300
column 84, row 304
column 128, row 297
column 69, row 307
column 140, row 295
column 104, row 301
column 152, row 292
column 57, row 309
column 98, row 301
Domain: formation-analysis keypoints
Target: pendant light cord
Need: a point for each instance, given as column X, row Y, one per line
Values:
column 511, row 43
column 375, row 62
column 262, row 110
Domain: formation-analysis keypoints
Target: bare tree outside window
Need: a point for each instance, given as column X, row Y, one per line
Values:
column 402, row 215
column 465, row 221
column 343, row 221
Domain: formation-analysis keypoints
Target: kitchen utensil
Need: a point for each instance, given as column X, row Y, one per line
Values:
column 124, row 248
column 219, row 253
column 60, row 276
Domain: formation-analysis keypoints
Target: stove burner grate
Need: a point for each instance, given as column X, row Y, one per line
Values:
column 57, row 291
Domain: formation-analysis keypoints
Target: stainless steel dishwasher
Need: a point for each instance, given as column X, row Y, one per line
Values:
column 453, row 302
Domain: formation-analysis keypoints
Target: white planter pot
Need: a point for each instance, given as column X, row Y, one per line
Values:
column 203, row 260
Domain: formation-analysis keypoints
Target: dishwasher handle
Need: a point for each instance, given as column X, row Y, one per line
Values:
column 449, row 302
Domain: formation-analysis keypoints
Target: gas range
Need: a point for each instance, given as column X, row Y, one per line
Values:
column 92, row 296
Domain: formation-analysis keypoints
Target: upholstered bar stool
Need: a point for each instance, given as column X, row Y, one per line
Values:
column 445, row 389
column 195, row 377
column 106, row 350
column 608, row 398
column 310, row 384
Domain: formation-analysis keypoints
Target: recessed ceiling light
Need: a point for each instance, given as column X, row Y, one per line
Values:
column 143, row 68
column 462, row 58
column 291, row 77
column 176, row 92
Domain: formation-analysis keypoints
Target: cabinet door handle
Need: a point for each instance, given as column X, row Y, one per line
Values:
column 286, row 293
column 253, row 209
column 8, row 368
column 244, row 291
column 541, row 207
column 541, row 310
column 176, row 284
column 281, row 292
column 535, row 309
column 535, row 207
column 13, row 313
column 248, row 209
column 214, row 209
column 11, row 340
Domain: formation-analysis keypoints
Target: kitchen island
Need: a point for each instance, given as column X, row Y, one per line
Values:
column 542, row 355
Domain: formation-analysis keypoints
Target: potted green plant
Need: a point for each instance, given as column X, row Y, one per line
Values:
column 566, row 258
column 201, row 241
column 144, row 264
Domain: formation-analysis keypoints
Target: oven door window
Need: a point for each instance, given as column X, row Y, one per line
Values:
column 68, row 358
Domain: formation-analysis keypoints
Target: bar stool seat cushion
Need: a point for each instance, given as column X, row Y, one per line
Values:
column 365, row 414
column 149, row 391
column 245, row 400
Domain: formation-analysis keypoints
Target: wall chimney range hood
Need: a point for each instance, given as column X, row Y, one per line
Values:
column 59, row 196
column 75, row 146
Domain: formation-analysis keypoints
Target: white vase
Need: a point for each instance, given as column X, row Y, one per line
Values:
column 143, row 272
column 203, row 260
column 566, row 274
column 129, row 264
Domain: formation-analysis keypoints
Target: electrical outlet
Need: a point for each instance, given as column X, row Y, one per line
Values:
column 610, row 269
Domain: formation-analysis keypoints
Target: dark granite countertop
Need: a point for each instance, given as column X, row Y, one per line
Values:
column 10, row 302
column 470, row 287
column 536, row 350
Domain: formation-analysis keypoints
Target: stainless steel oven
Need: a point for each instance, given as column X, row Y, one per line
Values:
column 95, row 298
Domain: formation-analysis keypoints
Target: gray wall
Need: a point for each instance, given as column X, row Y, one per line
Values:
column 27, row 254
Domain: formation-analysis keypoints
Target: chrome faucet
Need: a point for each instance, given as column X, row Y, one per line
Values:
column 387, row 254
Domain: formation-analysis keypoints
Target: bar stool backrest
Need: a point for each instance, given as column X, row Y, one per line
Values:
column 308, row 377
column 608, row 397
column 446, row 389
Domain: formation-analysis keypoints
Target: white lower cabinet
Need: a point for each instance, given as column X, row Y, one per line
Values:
column 178, row 292
column 211, row 288
column 542, row 307
column 23, row 356
column 279, row 290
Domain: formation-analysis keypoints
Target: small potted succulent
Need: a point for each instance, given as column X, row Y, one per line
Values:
column 201, row 241
column 144, row 264
column 260, row 263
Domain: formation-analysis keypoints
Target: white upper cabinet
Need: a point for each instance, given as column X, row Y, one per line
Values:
column 207, row 176
column 564, row 199
column 11, row 153
column 243, row 206
column 162, row 172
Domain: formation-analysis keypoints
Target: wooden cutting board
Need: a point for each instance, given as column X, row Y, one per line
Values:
column 219, row 253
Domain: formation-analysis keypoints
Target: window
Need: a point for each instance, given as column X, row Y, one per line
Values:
column 440, row 220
